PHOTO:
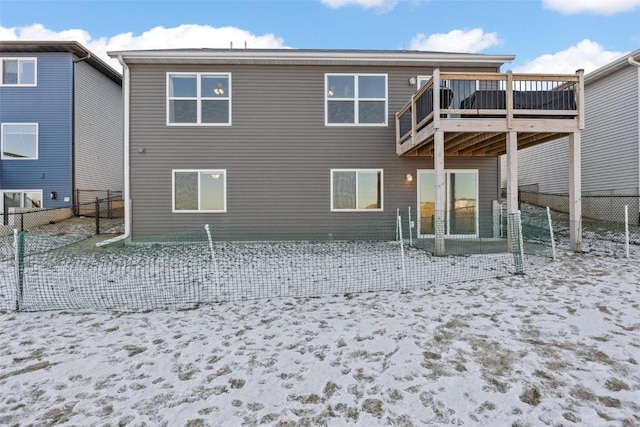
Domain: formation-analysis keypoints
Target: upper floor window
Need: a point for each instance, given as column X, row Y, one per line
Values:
column 19, row 71
column 200, row 190
column 356, row 99
column 356, row 189
column 198, row 98
column 19, row 141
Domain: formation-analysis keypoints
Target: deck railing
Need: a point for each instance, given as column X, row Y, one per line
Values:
column 490, row 95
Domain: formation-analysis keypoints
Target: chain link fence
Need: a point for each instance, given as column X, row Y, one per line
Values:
column 607, row 220
column 111, row 204
column 58, row 227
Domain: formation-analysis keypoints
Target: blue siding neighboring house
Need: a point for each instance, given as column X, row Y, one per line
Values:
column 51, row 95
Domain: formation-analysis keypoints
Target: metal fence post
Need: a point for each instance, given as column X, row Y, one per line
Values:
column 97, row 216
column 18, row 238
column 108, row 204
column 553, row 242
column 626, row 231
column 21, row 221
column 402, row 265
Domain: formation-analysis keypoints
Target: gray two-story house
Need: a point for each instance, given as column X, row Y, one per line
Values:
column 320, row 139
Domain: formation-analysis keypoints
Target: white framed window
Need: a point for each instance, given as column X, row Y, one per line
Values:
column 199, row 190
column 29, row 199
column 202, row 99
column 356, row 190
column 19, row 141
column 356, row 99
column 422, row 80
column 19, row 71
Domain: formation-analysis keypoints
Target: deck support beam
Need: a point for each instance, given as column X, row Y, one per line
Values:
column 440, row 178
column 512, row 184
column 575, row 193
column 512, row 172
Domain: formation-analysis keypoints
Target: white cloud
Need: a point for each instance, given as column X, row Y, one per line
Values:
column 183, row 36
column 586, row 55
column 381, row 5
column 598, row 7
column 465, row 41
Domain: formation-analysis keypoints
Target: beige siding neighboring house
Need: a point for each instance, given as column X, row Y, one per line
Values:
column 610, row 140
column 98, row 129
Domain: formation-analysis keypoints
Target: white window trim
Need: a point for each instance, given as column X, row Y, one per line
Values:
column 381, row 171
column 448, row 172
column 2, row 157
column 356, row 100
column 198, row 98
column 425, row 78
column 20, row 58
column 198, row 171
column 5, row 190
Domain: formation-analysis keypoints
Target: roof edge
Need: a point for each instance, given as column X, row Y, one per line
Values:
column 69, row 46
column 616, row 65
column 297, row 55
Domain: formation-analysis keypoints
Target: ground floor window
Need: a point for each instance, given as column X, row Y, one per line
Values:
column 461, row 202
column 200, row 190
column 356, row 189
column 30, row 199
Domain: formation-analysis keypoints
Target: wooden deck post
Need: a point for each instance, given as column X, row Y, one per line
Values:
column 436, row 98
column 438, row 166
column 512, row 182
column 575, row 193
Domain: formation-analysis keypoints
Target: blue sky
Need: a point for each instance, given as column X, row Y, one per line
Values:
column 545, row 35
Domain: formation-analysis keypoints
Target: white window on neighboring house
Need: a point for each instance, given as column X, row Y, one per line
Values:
column 19, row 72
column 356, row 190
column 356, row 99
column 199, row 190
column 199, row 99
column 19, row 141
column 29, row 199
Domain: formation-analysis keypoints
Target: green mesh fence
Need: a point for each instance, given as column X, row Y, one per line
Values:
column 184, row 270
column 604, row 225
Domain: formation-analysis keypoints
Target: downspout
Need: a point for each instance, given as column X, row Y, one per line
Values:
column 127, row 193
column 637, row 65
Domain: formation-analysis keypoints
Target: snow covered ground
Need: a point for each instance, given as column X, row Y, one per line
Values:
column 559, row 346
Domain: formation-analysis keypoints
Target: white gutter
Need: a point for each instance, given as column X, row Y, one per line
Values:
column 307, row 57
column 637, row 65
column 127, row 192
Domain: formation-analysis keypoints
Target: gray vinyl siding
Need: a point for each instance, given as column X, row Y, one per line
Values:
column 543, row 168
column 278, row 153
column 99, row 149
column 610, row 144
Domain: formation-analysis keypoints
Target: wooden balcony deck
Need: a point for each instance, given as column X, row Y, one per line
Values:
column 476, row 111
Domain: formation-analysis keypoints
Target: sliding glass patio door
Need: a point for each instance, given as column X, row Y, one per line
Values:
column 461, row 202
